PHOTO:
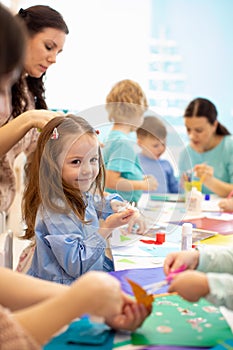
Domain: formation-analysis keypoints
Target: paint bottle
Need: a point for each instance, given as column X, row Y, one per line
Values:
column 186, row 239
column 194, row 203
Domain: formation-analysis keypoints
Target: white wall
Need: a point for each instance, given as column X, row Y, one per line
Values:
column 108, row 41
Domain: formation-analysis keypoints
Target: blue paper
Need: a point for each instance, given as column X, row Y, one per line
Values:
column 83, row 334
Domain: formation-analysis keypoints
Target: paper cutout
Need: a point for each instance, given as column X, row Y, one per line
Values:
column 124, row 238
column 126, row 261
column 140, row 294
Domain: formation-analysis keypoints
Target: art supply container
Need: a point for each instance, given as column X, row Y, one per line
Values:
column 189, row 185
column 160, row 237
column 194, row 202
column 186, row 238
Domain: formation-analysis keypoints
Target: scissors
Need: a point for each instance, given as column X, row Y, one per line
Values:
column 153, row 287
column 144, row 295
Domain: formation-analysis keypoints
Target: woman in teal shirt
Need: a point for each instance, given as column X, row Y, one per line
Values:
column 210, row 150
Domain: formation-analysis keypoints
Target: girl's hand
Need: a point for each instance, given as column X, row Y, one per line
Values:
column 131, row 316
column 226, row 204
column 138, row 220
column 175, row 260
column 204, row 172
column 190, row 285
column 118, row 205
column 115, row 220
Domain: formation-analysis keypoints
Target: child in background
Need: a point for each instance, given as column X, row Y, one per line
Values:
column 64, row 202
column 126, row 104
column 152, row 140
column 215, row 282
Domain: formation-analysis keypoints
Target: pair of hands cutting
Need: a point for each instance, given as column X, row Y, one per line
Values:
column 178, row 268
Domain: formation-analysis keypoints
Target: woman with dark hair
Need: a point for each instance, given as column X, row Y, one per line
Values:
column 210, row 151
column 46, row 34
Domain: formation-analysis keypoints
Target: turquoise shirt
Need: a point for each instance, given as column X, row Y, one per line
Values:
column 220, row 158
column 119, row 155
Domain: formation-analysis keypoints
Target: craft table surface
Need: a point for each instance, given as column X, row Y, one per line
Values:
column 159, row 213
column 128, row 261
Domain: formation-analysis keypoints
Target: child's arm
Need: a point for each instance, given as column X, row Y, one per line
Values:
column 95, row 293
column 215, row 287
column 115, row 220
column 115, row 181
column 191, row 285
column 19, row 290
column 137, row 218
column 175, row 260
column 131, row 317
column 216, row 284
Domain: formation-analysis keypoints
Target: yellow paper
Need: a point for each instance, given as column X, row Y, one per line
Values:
column 219, row 240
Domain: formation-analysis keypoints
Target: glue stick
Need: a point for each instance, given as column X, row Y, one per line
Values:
column 186, row 239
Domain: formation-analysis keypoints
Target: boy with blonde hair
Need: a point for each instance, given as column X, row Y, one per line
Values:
column 126, row 104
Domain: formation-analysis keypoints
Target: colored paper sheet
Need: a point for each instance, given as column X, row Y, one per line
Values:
column 225, row 345
column 169, row 197
column 219, row 240
column 223, row 227
column 174, row 321
column 140, row 276
column 83, row 334
column 125, row 263
column 167, row 347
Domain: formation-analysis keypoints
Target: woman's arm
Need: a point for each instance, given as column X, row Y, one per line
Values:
column 206, row 175
column 16, row 129
column 94, row 293
column 219, row 187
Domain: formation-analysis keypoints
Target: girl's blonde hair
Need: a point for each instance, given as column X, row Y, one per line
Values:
column 44, row 185
column 125, row 100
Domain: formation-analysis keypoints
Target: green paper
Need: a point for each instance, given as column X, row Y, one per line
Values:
column 124, row 238
column 175, row 321
column 126, row 261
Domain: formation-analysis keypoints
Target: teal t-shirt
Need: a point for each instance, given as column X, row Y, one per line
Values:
column 220, row 158
column 119, row 155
